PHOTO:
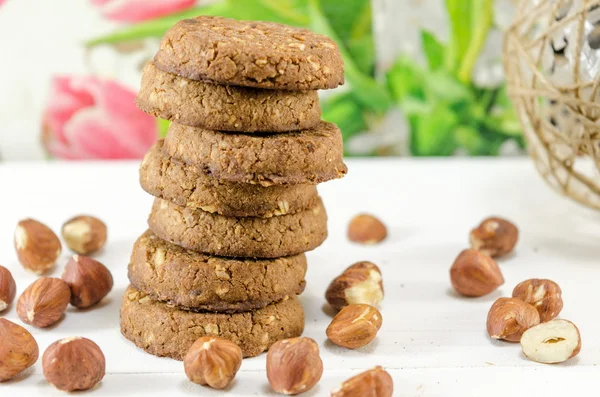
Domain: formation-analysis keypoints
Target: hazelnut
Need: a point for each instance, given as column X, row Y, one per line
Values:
column 8, row 288
column 474, row 274
column 552, row 342
column 43, row 302
column 366, row 229
column 359, row 283
column 375, row 382
column 37, row 246
column 88, row 279
column 213, row 361
column 508, row 318
column 495, row 237
column 84, row 234
column 73, row 363
column 294, row 365
column 544, row 295
column 355, row 326
column 18, row 349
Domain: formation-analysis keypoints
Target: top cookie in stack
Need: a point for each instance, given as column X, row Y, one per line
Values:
column 235, row 180
column 204, row 65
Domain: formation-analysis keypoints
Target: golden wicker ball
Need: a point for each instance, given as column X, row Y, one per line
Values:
column 552, row 66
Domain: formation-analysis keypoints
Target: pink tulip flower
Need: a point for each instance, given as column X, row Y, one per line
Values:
column 140, row 10
column 90, row 118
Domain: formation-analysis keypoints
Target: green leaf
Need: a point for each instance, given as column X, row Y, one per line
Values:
column 294, row 12
column 478, row 140
column 432, row 134
column 363, row 22
column 442, row 86
column 502, row 98
column 348, row 15
column 157, row 27
column 362, row 51
column 366, row 90
column 434, row 50
column 506, row 123
column 502, row 116
column 163, row 126
column 405, row 79
column 291, row 12
column 345, row 111
column 415, row 106
column 469, row 138
column 459, row 12
column 481, row 22
column 351, row 20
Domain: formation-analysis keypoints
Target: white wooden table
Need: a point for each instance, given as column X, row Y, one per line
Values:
column 432, row 342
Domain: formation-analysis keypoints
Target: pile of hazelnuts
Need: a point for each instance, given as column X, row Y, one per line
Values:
column 529, row 316
column 73, row 363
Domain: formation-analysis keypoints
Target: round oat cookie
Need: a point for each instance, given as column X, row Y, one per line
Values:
column 249, row 53
column 163, row 330
column 308, row 156
column 226, row 108
column 191, row 280
column 185, row 185
column 249, row 237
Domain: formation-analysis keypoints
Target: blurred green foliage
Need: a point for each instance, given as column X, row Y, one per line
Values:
column 446, row 112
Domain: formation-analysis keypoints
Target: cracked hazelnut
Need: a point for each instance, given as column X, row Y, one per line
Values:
column 84, row 234
column 37, row 246
column 552, row 342
column 88, row 279
column 43, row 302
column 355, row 326
column 8, row 288
column 18, row 349
column 375, row 382
column 294, row 365
column 359, row 283
column 73, row 363
column 475, row 274
column 213, row 361
column 508, row 318
column 366, row 229
column 544, row 295
column 495, row 237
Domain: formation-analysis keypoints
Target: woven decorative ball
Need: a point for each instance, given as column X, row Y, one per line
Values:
column 552, row 66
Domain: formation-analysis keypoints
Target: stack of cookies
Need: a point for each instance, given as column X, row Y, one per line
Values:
column 235, row 184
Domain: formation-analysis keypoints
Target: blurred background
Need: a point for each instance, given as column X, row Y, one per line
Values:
column 423, row 77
